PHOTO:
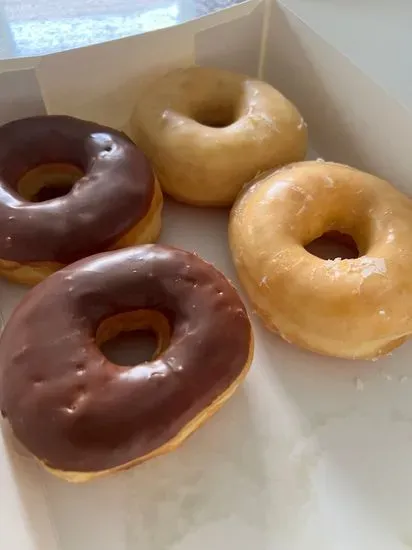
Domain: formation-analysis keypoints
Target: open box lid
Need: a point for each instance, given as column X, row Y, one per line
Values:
column 286, row 43
column 342, row 105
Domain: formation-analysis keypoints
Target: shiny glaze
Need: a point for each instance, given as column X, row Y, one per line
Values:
column 113, row 196
column 77, row 411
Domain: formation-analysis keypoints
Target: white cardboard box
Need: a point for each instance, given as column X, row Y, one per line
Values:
column 311, row 453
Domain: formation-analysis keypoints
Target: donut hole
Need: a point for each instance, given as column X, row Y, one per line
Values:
column 218, row 112
column 49, row 181
column 332, row 245
column 133, row 338
column 130, row 348
column 216, row 116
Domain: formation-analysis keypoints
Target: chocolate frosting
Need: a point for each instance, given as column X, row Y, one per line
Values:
column 77, row 411
column 114, row 194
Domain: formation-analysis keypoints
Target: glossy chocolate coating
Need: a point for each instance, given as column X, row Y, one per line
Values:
column 77, row 411
column 113, row 196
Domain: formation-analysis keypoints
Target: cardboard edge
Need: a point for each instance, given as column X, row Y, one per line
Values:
column 358, row 115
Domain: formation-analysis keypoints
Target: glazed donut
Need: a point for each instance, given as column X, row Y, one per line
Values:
column 83, row 416
column 357, row 308
column 112, row 197
column 208, row 132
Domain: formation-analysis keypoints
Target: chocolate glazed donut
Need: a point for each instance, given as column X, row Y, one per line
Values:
column 83, row 416
column 115, row 201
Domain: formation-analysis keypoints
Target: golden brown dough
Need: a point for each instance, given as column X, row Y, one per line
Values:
column 209, row 131
column 351, row 308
